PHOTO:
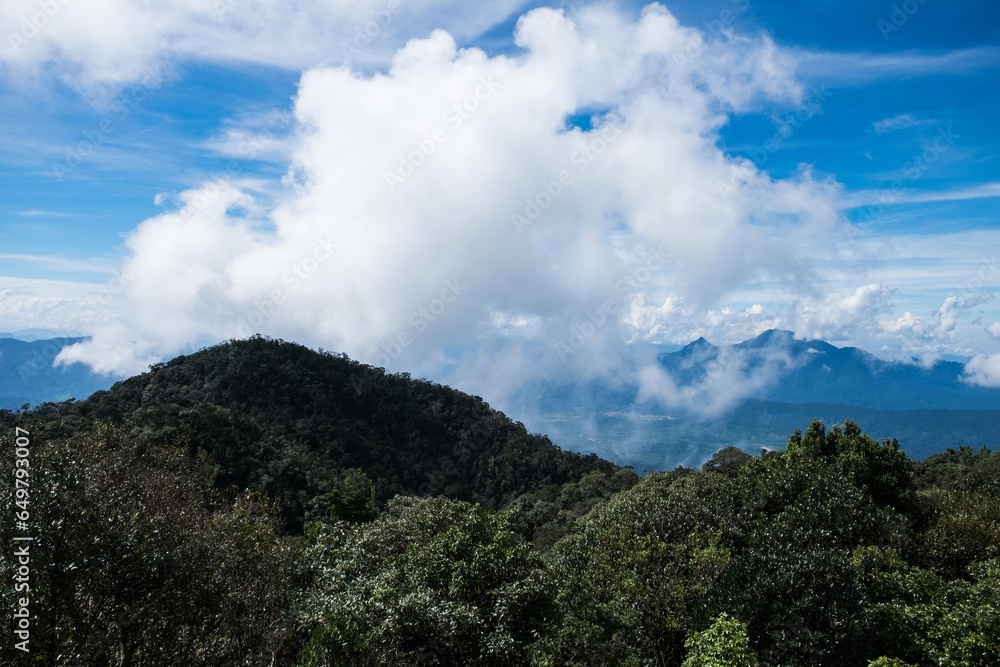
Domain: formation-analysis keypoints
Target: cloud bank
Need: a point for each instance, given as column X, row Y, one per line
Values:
column 984, row 370
column 724, row 376
column 458, row 197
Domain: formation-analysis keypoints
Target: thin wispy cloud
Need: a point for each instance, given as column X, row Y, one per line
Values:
column 37, row 213
column 856, row 68
column 100, row 46
column 61, row 264
column 913, row 196
column 900, row 122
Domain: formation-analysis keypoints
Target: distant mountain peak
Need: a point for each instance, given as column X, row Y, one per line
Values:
column 776, row 333
column 699, row 344
column 770, row 338
column 785, row 369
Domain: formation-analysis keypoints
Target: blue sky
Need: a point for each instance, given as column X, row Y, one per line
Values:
column 849, row 151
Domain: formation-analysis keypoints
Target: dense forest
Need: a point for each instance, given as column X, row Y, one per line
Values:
column 258, row 503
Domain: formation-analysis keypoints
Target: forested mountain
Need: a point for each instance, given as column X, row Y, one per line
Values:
column 926, row 408
column 258, row 503
column 277, row 417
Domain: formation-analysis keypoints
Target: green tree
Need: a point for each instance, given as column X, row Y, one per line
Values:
column 635, row 574
column 963, row 528
column 430, row 581
column 792, row 522
column 879, row 468
column 922, row 618
column 136, row 560
column 884, row 661
column 352, row 498
column 727, row 461
column 724, row 644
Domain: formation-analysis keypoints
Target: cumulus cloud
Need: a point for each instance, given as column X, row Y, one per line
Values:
column 840, row 317
column 907, row 323
column 994, row 330
column 950, row 312
column 674, row 320
column 983, row 370
column 449, row 200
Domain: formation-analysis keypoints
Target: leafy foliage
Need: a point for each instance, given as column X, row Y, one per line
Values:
column 962, row 469
column 727, row 461
column 634, row 572
column 925, row 619
column 136, row 560
column 258, row 503
column 795, row 519
column 724, row 644
column 551, row 512
column 431, row 581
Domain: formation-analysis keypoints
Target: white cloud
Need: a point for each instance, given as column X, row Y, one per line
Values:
column 858, row 67
column 908, row 322
column 984, row 370
column 424, row 201
column 899, row 122
column 913, row 196
column 674, row 321
column 730, row 375
column 62, row 264
column 100, row 45
column 994, row 330
column 45, row 312
column 35, row 213
column 836, row 317
column 952, row 309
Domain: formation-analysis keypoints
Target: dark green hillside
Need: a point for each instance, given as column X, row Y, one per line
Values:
column 283, row 419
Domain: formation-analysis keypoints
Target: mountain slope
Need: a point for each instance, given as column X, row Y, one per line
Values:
column 284, row 419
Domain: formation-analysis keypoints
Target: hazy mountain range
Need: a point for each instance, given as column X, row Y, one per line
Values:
column 682, row 407
column 686, row 404
column 811, row 371
column 27, row 374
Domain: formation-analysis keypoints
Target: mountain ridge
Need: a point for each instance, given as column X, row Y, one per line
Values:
column 274, row 414
column 773, row 379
